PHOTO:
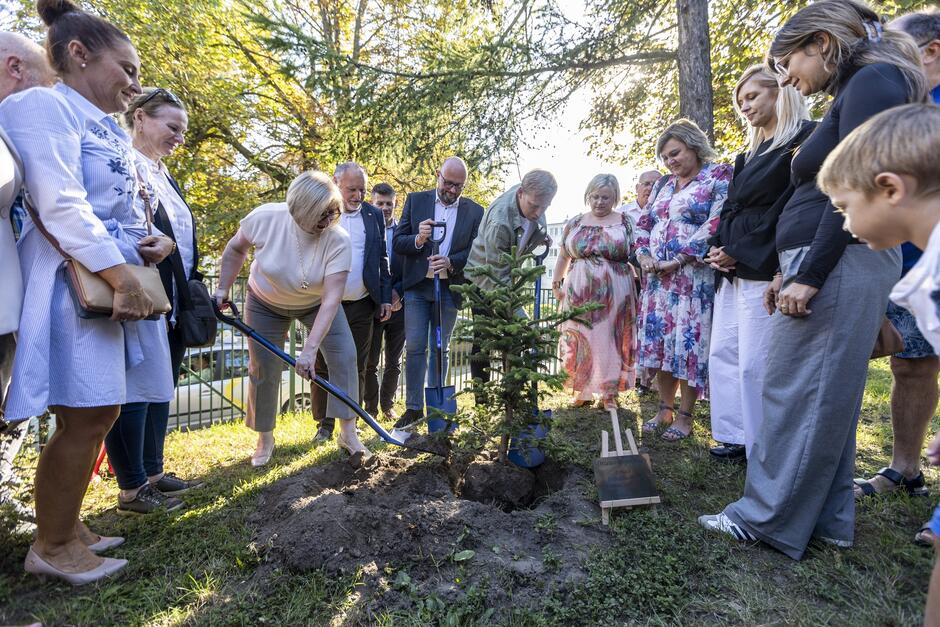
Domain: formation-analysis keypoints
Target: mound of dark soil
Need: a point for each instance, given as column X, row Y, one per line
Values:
column 402, row 523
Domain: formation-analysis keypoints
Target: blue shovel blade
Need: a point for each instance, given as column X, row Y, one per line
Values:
column 440, row 401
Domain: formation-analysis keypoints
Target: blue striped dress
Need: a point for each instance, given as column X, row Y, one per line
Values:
column 80, row 177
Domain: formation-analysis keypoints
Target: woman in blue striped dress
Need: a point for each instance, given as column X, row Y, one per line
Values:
column 80, row 180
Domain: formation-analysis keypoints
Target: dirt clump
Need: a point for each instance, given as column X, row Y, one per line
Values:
column 401, row 523
column 488, row 481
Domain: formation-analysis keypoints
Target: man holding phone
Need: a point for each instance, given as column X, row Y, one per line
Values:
column 459, row 219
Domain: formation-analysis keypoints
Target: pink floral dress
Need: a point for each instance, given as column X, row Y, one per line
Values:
column 676, row 309
column 600, row 358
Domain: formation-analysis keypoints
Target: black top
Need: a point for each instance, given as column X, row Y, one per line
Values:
column 375, row 272
column 757, row 194
column 809, row 219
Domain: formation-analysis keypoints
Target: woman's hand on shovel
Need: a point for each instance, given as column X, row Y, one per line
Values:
column 306, row 361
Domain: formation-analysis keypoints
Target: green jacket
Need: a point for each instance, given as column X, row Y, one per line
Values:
column 500, row 230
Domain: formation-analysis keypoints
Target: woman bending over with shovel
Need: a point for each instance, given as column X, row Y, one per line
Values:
column 299, row 273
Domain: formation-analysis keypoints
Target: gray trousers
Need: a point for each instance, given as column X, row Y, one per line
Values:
column 800, row 469
column 265, row 369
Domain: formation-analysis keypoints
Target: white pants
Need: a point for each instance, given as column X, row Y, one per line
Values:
column 739, row 344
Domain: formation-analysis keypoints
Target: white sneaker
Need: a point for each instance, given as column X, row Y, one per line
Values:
column 842, row 544
column 723, row 524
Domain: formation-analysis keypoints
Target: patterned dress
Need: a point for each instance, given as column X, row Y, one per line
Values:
column 600, row 358
column 676, row 309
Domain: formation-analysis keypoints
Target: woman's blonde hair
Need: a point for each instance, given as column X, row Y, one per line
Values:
column 311, row 197
column 689, row 133
column 603, row 180
column 790, row 108
column 857, row 38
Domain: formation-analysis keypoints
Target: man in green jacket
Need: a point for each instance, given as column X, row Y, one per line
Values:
column 516, row 218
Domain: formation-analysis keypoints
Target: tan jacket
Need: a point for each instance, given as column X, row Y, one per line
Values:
column 501, row 229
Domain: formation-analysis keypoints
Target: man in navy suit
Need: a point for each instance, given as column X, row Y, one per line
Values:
column 412, row 243
column 392, row 331
column 368, row 294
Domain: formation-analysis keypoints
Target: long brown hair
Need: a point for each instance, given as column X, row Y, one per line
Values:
column 857, row 38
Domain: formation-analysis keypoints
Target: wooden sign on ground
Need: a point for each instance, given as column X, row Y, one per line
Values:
column 623, row 478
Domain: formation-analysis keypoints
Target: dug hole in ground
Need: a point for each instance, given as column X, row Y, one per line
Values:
column 419, row 525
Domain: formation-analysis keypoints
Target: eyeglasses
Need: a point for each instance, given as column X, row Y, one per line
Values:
column 451, row 184
column 166, row 93
column 330, row 215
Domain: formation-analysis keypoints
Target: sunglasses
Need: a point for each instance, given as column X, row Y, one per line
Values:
column 166, row 93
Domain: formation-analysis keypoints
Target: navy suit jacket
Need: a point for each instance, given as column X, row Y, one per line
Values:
column 419, row 206
column 375, row 272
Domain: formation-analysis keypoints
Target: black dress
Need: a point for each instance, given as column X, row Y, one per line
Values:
column 756, row 196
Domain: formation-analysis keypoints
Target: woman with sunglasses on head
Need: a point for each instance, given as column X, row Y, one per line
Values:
column 158, row 122
column 830, row 294
column 81, row 188
column 302, row 257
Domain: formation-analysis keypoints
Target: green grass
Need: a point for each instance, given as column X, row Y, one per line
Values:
column 196, row 567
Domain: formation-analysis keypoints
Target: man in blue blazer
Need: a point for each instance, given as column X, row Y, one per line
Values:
column 412, row 243
column 368, row 294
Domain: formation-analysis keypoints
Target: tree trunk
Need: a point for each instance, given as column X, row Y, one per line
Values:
column 695, row 73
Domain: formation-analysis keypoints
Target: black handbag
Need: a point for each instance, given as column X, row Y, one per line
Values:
column 195, row 318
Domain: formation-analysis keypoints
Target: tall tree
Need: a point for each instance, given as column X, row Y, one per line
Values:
column 695, row 70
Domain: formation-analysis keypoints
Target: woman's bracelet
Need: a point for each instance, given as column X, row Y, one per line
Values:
column 557, row 283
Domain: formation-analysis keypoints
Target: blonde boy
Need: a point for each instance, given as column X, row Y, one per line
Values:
column 885, row 178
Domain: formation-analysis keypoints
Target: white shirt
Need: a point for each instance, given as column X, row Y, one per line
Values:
column 919, row 291
column 634, row 210
column 176, row 210
column 354, row 225
column 447, row 214
column 389, row 238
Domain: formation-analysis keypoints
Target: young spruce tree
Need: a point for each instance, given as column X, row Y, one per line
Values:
column 519, row 352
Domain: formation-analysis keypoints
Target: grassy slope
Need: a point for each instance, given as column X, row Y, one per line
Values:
column 192, row 568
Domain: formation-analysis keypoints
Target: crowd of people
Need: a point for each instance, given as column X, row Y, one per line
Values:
column 762, row 285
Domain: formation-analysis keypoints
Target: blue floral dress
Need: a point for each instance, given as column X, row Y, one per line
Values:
column 676, row 309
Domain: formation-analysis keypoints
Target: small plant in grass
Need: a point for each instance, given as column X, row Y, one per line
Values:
column 518, row 350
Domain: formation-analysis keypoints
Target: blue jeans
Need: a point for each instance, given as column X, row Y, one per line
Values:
column 420, row 312
column 135, row 442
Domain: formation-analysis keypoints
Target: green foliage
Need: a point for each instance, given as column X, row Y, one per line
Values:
column 519, row 351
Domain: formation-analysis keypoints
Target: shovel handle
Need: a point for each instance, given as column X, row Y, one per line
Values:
column 320, row 382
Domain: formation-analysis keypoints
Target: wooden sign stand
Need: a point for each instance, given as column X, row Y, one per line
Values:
column 628, row 503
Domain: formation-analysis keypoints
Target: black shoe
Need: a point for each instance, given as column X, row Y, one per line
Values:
column 729, row 453
column 147, row 501
column 410, row 418
column 171, row 485
column 323, row 435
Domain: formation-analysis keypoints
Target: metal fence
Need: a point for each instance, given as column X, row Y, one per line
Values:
column 213, row 383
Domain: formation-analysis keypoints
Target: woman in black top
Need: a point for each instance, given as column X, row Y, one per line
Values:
column 744, row 253
column 831, row 294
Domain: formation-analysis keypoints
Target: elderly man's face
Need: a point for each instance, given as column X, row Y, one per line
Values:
column 352, row 187
column 644, row 186
column 533, row 207
column 385, row 202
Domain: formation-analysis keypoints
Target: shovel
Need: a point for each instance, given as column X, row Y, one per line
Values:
column 440, row 400
column 523, row 449
column 236, row 321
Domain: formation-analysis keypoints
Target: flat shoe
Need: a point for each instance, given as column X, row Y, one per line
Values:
column 38, row 566
column 105, row 543
column 358, row 457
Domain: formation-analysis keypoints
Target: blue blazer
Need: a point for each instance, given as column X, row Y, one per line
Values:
column 419, row 206
column 375, row 272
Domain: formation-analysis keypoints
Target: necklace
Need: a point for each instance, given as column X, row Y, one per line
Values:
column 303, row 266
